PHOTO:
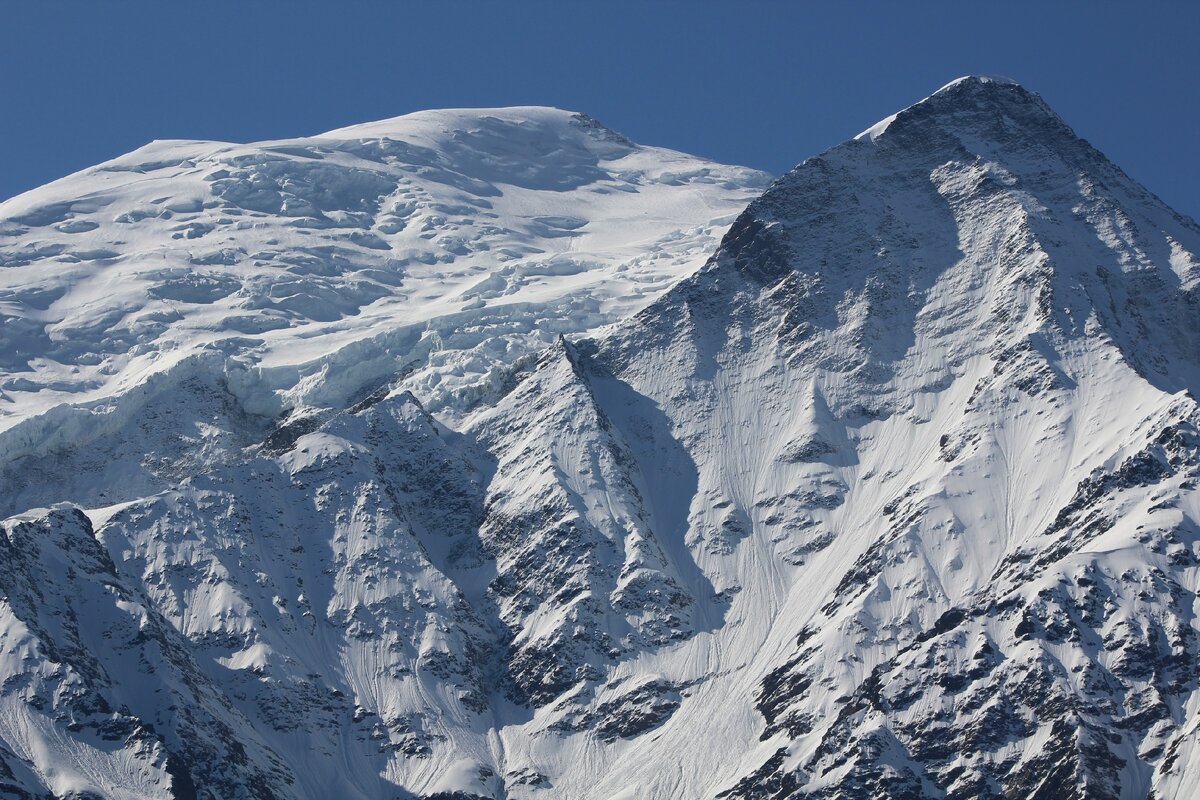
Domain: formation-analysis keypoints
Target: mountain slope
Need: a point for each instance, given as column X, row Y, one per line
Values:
column 940, row 381
column 894, row 496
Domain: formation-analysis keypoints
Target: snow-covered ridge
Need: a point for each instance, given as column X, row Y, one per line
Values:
column 940, row 392
column 484, row 233
column 965, row 83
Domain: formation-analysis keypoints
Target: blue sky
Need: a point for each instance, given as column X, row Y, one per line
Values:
column 765, row 84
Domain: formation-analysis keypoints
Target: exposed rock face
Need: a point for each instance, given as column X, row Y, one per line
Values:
column 894, row 497
column 566, row 508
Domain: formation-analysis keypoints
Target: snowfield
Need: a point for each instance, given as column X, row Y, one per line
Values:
column 440, row 245
column 452, row 456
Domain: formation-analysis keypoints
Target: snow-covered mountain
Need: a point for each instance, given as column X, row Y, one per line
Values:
column 895, row 496
column 434, row 246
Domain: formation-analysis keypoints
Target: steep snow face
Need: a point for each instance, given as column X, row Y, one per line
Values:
column 102, row 696
column 570, row 510
column 443, row 245
column 894, row 496
column 938, row 387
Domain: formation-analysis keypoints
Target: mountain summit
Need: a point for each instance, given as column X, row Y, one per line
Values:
column 972, row 99
column 939, row 387
column 439, row 244
column 893, row 494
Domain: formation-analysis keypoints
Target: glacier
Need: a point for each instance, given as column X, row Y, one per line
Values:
column 444, row 245
column 488, row 454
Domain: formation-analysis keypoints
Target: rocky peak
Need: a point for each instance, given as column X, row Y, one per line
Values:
column 976, row 102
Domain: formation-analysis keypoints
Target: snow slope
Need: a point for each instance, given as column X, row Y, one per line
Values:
column 442, row 245
column 895, row 496
column 936, row 393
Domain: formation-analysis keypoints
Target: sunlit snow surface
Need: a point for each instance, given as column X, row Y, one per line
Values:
column 444, row 244
column 895, row 496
